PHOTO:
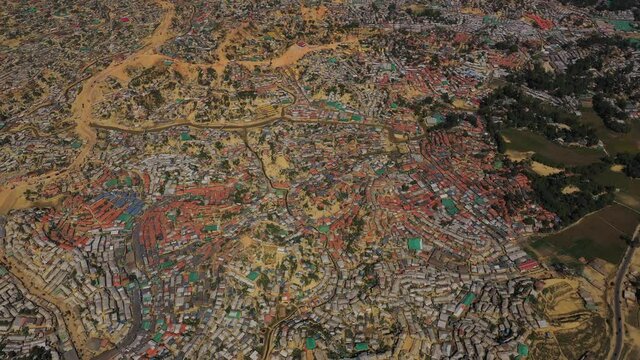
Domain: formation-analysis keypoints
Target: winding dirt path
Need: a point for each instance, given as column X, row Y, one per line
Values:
column 12, row 195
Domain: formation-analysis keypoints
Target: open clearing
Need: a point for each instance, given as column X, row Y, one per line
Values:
column 629, row 189
column 614, row 142
column 544, row 170
column 548, row 152
column 595, row 236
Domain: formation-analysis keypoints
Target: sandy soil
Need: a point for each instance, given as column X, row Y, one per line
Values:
column 632, row 316
column 408, row 342
column 570, row 189
column 617, row 168
column 463, row 105
column 562, row 299
column 12, row 195
column 294, row 53
column 75, row 329
column 544, row 170
column 313, row 14
column 518, row 155
column 471, row 10
column 274, row 169
column 246, row 241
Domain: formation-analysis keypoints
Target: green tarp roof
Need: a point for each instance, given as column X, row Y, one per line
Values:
column 124, row 217
column 193, row 276
column 450, row 206
column 209, row 228
column 310, row 343
column 621, row 25
column 523, row 349
column 468, row 299
column 439, row 118
column 166, row 265
column 111, row 183
column 253, row 275
column 157, row 338
column 335, row 104
column 414, row 244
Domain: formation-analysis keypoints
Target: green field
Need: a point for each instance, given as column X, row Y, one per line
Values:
column 629, row 189
column 596, row 235
column 556, row 155
column 547, row 151
column 614, row 142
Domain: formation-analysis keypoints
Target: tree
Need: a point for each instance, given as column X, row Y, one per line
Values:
column 612, row 116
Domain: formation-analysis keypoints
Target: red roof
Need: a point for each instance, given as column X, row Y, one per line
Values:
column 528, row 265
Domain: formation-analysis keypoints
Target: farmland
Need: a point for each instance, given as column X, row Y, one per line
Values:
column 613, row 142
column 596, row 235
column 548, row 152
column 628, row 189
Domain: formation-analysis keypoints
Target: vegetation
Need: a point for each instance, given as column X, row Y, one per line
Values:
column 510, row 107
column 547, row 151
column 613, row 117
column 36, row 353
column 570, row 207
column 576, row 80
column 454, row 119
column 421, row 108
column 426, row 12
column 509, row 45
column 354, row 233
column 611, row 5
column 581, row 3
column 613, row 141
column 619, row 5
column 631, row 164
column 597, row 235
column 615, row 82
column 609, row 41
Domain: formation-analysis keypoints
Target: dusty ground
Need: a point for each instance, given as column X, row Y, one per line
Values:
column 313, row 13
column 12, row 195
column 36, row 287
column 570, row 189
column 518, row 155
column 544, row 170
column 561, row 297
column 274, row 168
column 617, row 168
column 573, row 328
column 632, row 318
column 294, row 53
